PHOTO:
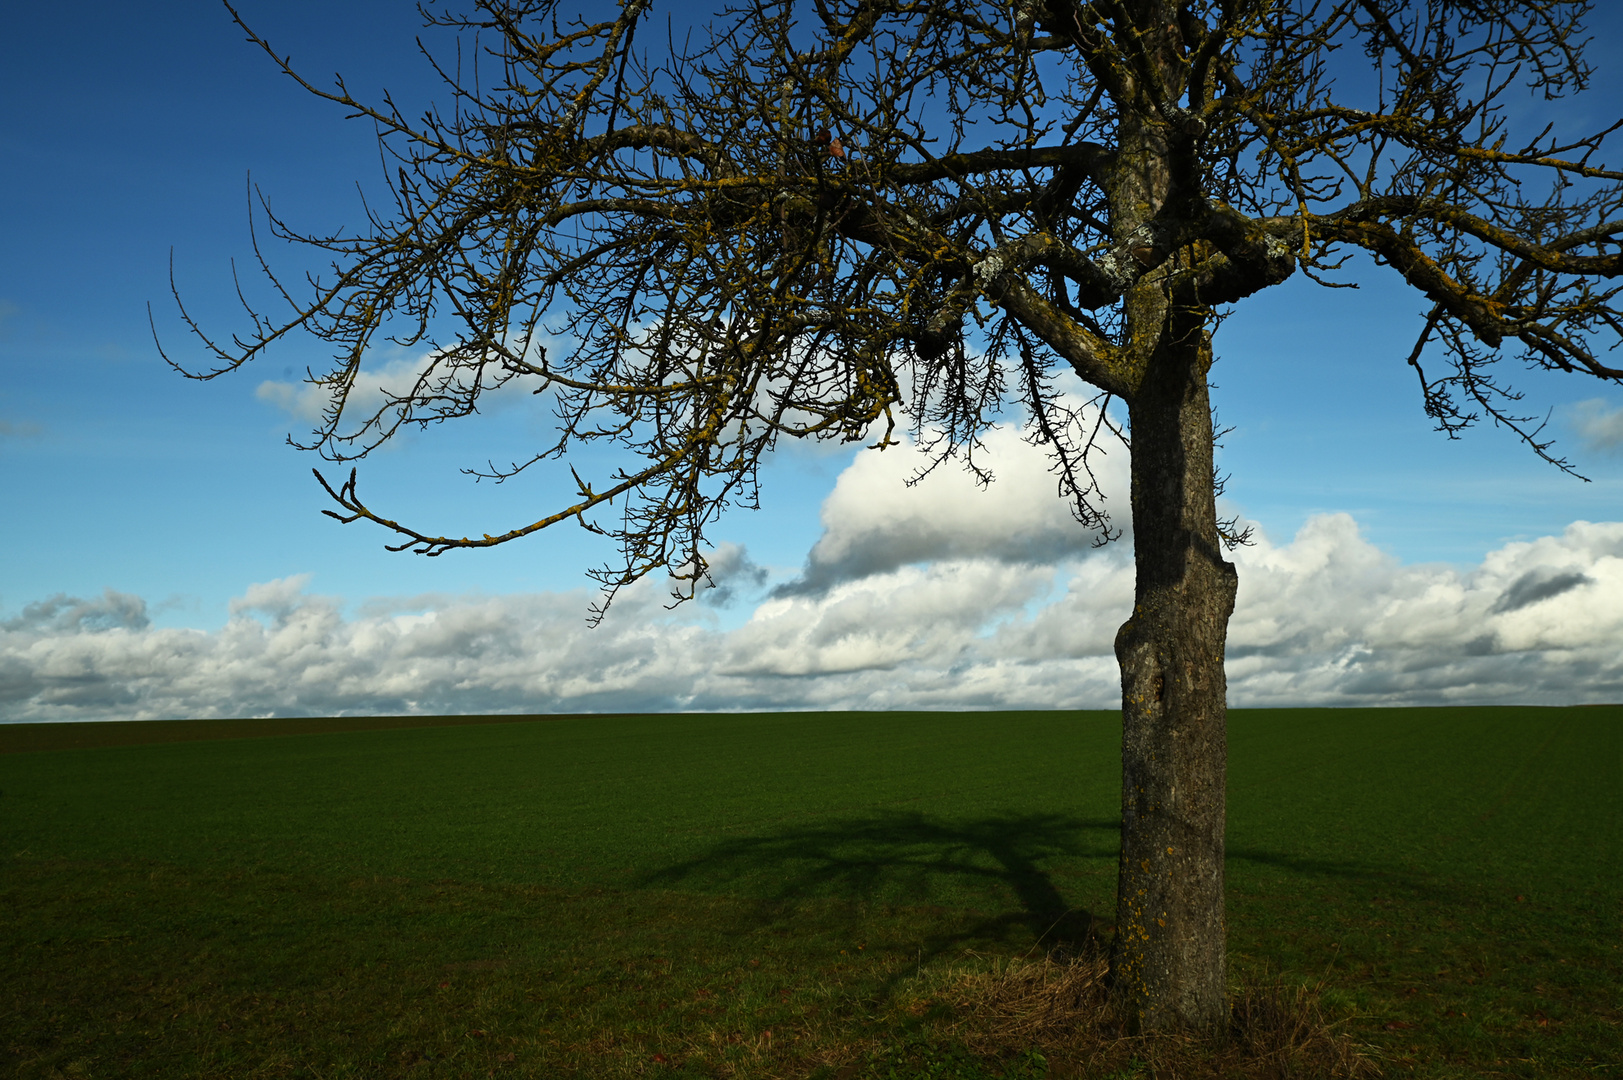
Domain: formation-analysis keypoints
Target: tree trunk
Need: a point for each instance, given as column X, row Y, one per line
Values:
column 1168, row 959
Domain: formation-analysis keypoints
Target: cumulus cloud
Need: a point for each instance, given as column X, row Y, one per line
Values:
column 875, row 522
column 934, row 597
column 63, row 614
column 1329, row 619
column 1600, row 427
column 730, row 576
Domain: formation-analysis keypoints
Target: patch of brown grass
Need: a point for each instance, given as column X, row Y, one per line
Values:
column 1027, row 1002
column 1060, row 1005
column 1284, row 1032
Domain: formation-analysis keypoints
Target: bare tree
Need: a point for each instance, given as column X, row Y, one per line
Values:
column 819, row 220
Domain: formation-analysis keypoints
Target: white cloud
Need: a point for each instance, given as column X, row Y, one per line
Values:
column 1328, row 619
column 69, row 614
column 941, row 596
column 874, row 522
column 1600, row 427
column 302, row 401
column 374, row 389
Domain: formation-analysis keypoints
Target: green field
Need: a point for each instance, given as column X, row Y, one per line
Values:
column 772, row 895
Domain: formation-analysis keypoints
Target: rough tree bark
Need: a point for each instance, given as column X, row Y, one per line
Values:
column 1168, row 959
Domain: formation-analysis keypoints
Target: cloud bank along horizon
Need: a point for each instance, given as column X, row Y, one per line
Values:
column 940, row 595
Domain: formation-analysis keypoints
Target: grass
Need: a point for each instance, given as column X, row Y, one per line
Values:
column 833, row 895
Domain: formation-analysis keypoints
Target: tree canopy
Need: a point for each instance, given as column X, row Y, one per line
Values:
column 782, row 223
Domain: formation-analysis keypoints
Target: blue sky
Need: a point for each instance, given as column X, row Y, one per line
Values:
column 129, row 131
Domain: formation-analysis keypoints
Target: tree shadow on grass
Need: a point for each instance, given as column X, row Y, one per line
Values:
column 913, row 859
column 1303, row 869
column 992, row 874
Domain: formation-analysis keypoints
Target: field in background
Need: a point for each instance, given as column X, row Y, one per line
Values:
column 752, row 894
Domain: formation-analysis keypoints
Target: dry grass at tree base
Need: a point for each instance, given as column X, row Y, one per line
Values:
column 1060, row 1006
